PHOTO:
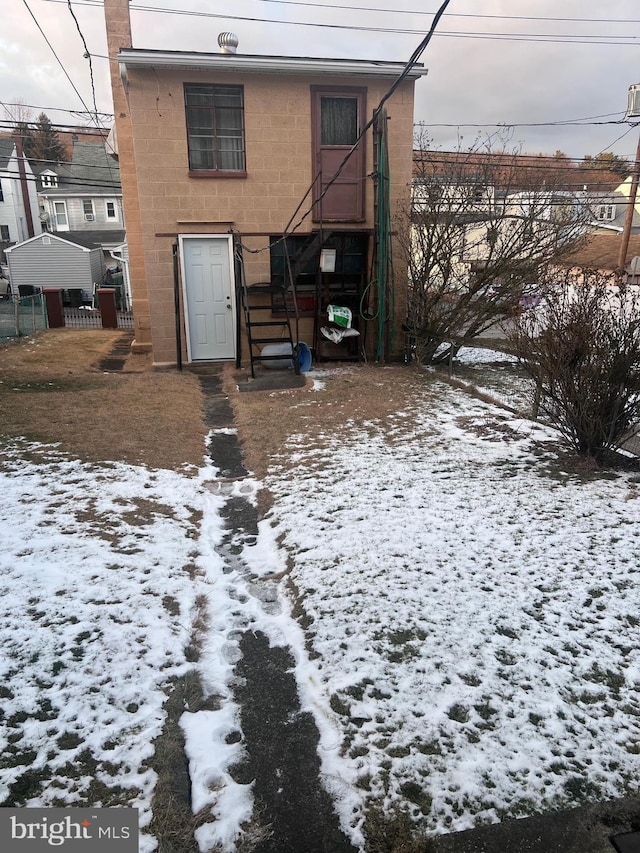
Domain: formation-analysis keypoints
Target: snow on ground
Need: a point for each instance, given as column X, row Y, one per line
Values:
column 496, row 374
column 475, row 619
column 103, row 570
column 474, row 612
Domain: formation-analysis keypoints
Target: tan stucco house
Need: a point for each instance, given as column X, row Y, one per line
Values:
column 224, row 155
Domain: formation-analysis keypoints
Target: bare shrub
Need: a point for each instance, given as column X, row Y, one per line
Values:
column 483, row 230
column 582, row 348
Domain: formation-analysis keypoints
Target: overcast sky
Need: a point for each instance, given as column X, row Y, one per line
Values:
column 524, row 63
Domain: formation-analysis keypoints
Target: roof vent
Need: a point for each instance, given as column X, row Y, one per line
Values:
column 228, row 42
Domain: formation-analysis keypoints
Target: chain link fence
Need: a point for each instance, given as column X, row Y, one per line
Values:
column 21, row 316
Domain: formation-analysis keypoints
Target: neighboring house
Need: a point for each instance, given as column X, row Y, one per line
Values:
column 18, row 198
column 84, row 194
column 481, row 190
column 601, row 252
column 610, row 209
column 219, row 151
column 52, row 260
column 472, row 211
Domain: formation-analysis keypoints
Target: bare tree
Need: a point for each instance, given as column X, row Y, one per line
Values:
column 581, row 346
column 484, row 229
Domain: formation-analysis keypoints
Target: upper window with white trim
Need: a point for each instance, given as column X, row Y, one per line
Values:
column 606, row 212
column 215, row 128
column 49, row 179
column 111, row 210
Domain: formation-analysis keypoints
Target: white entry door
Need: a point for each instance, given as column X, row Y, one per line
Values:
column 209, row 297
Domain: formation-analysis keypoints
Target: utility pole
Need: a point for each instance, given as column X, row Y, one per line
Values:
column 24, row 184
column 628, row 221
column 633, row 111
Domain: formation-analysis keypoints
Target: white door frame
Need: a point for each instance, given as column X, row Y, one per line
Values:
column 63, row 202
column 182, row 238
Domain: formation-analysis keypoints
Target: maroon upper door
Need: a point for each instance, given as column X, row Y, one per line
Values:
column 337, row 119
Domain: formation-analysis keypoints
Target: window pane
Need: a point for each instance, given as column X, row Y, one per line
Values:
column 200, row 121
column 227, row 119
column 87, row 206
column 338, row 121
column 231, row 154
column 228, row 98
column 201, row 152
column 215, row 130
column 199, row 96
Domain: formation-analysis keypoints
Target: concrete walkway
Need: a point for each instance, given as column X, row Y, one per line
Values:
column 292, row 808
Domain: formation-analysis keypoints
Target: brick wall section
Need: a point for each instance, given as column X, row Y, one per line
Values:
column 118, row 27
column 279, row 172
column 164, row 201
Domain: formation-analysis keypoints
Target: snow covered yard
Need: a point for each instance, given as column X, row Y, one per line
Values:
column 473, row 610
column 111, row 591
column 470, row 609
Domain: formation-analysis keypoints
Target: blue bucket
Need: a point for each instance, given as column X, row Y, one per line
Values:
column 303, row 354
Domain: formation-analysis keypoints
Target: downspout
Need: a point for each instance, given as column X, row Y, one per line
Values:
column 376, row 272
column 176, row 302
column 382, row 239
column 24, row 185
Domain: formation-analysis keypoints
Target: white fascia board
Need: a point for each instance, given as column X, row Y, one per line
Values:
column 48, row 234
column 236, row 63
column 598, row 223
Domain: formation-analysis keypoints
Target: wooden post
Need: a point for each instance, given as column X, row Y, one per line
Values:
column 53, row 302
column 107, row 306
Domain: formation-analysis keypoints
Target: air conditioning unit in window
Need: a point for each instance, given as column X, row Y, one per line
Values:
column 633, row 106
column 89, row 217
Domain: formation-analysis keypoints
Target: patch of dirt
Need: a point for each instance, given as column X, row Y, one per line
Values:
column 490, row 427
column 333, row 401
column 52, row 390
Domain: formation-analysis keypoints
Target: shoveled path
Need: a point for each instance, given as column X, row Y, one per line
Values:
column 281, row 742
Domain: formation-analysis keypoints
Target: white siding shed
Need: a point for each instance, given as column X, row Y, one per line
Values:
column 48, row 260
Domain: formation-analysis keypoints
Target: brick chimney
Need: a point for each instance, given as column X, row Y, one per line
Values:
column 118, row 27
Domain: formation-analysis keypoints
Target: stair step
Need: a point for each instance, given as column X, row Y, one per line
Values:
column 271, row 341
column 256, row 323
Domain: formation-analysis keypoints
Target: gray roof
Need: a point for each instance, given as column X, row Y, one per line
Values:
column 92, row 239
column 92, row 171
column 6, row 150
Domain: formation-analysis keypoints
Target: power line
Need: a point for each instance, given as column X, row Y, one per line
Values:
column 68, row 182
column 623, row 40
column 505, row 157
column 73, row 85
column 506, row 124
column 70, row 164
column 59, row 128
column 413, row 12
column 454, row 14
column 53, row 109
column 87, row 56
column 412, row 61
